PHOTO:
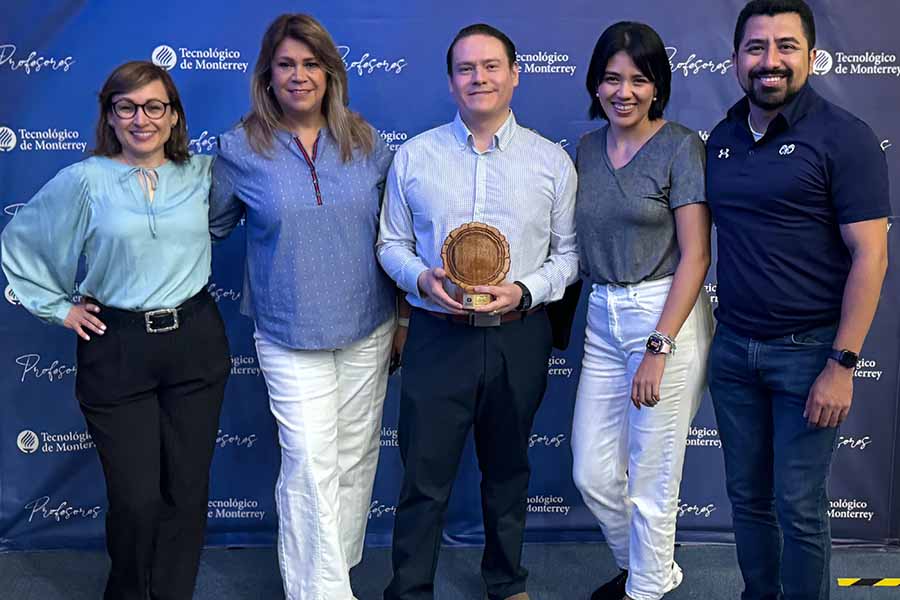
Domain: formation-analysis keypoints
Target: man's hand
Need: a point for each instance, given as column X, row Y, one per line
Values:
column 431, row 283
column 830, row 396
column 80, row 319
column 645, row 385
column 506, row 298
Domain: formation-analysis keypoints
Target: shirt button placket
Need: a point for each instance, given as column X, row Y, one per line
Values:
column 312, row 167
column 480, row 188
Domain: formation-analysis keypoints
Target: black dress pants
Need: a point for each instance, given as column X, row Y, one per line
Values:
column 456, row 376
column 152, row 403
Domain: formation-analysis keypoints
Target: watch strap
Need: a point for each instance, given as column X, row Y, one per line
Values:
column 525, row 301
column 845, row 358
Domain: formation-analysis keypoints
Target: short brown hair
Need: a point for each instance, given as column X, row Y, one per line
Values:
column 482, row 29
column 347, row 127
column 127, row 78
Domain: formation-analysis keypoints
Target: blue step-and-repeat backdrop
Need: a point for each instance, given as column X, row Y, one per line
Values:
column 54, row 57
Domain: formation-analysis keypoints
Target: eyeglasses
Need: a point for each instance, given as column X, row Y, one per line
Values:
column 154, row 109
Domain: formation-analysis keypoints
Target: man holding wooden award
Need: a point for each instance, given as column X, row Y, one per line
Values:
column 478, row 228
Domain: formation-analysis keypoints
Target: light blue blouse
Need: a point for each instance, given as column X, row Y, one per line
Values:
column 140, row 255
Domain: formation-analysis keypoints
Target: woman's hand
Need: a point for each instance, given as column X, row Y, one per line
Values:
column 80, row 320
column 645, row 385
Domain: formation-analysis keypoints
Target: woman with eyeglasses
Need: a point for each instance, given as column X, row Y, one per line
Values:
column 307, row 174
column 152, row 354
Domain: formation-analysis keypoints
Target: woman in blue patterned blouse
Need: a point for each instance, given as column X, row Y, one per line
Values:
column 152, row 353
column 307, row 175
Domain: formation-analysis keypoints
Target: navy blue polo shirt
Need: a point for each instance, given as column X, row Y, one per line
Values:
column 778, row 205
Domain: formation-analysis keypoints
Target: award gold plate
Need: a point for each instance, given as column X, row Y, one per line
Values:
column 475, row 254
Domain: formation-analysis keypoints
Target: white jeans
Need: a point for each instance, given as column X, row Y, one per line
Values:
column 327, row 404
column 628, row 462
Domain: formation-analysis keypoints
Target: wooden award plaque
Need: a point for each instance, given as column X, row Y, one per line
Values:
column 475, row 254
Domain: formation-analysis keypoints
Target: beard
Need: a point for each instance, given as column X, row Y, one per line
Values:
column 773, row 98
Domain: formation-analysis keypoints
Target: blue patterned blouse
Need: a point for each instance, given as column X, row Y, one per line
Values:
column 312, row 280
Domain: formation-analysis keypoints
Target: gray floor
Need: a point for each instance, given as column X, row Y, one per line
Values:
column 558, row 572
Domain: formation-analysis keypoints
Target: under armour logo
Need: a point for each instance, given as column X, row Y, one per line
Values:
column 786, row 149
column 724, row 152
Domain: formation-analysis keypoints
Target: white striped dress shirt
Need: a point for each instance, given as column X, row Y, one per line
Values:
column 524, row 185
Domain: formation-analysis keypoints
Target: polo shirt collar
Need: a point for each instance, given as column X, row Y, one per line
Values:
column 502, row 137
column 795, row 110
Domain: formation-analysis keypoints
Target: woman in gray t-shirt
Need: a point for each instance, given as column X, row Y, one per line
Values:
column 643, row 231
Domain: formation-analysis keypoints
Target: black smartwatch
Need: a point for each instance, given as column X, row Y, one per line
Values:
column 845, row 358
column 525, row 302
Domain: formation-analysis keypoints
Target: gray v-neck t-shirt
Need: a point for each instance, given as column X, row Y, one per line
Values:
column 624, row 217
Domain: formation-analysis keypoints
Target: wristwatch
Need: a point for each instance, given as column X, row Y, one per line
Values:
column 525, row 302
column 845, row 358
column 660, row 343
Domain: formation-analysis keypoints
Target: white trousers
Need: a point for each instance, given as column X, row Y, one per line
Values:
column 628, row 462
column 328, row 405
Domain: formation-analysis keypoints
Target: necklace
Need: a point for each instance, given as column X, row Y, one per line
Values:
column 756, row 135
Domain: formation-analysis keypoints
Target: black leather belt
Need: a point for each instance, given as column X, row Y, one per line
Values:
column 160, row 320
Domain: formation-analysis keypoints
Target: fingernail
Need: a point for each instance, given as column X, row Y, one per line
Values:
column 103, row 327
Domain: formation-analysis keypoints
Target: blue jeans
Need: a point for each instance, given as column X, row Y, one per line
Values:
column 776, row 465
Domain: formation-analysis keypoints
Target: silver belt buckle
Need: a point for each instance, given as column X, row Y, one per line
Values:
column 149, row 315
column 479, row 319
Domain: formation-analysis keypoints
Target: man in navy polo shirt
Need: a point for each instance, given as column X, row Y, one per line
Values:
column 799, row 194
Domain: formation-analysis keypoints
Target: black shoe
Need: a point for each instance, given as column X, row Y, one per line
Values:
column 614, row 589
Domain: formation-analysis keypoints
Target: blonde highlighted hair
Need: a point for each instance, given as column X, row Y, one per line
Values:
column 347, row 127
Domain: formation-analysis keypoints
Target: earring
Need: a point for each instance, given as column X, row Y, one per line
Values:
column 269, row 89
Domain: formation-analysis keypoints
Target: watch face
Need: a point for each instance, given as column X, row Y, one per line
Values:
column 654, row 344
column 848, row 359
